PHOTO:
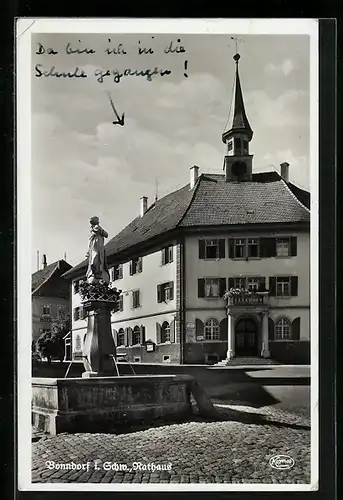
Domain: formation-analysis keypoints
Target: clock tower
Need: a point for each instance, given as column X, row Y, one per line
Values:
column 238, row 134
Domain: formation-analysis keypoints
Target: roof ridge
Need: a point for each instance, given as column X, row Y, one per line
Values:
column 191, row 199
column 285, row 183
column 48, row 277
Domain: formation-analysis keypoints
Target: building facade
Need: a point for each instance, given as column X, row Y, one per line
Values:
column 216, row 270
column 50, row 296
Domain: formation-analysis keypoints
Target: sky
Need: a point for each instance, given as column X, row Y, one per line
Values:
column 84, row 165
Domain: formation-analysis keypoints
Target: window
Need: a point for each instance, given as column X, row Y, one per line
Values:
column 283, row 286
column 282, row 329
column 282, row 247
column 121, row 337
column 76, row 286
column 167, row 255
column 137, row 359
column 244, row 248
column 211, row 287
column 165, row 292
column 46, row 310
column 136, row 335
column 253, row 284
column 136, row 265
column 212, row 329
column 117, row 272
column 240, row 283
column 252, row 247
column 211, row 249
column 165, row 332
column 230, row 146
column 166, row 358
column 120, row 304
column 239, row 249
column 245, row 147
column 135, row 299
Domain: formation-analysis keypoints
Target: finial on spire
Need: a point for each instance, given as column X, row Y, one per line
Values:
column 236, row 57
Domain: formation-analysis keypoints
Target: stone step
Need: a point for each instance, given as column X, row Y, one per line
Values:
column 246, row 361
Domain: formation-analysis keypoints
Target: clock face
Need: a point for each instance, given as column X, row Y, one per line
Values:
column 239, row 168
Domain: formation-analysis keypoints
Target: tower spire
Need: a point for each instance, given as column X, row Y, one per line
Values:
column 238, row 121
column 237, row 135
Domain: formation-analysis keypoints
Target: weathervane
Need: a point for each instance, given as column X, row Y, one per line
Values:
column 237, row 40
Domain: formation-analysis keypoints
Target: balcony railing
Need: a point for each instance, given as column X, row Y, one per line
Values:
column 240, row 298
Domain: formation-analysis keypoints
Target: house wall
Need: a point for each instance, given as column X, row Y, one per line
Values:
column 206, row 308
column 37, row 311
column 149, row 312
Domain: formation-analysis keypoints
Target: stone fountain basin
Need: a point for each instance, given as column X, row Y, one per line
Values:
column 100, row 404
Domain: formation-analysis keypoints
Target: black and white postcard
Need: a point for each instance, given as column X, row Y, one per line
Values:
column 167, row 254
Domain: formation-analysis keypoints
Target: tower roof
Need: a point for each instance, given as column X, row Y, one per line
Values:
column 238, row 121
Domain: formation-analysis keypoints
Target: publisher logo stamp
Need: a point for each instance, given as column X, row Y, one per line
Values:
column 281, row 462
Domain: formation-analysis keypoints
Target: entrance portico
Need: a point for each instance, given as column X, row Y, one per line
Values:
column 248, row 326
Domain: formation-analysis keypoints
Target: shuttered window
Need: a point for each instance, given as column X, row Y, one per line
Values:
column 165, row 292
column 135, row 299
column 211, row 288
column 167, row 255
column 282, row 329
column 212, row 249
column 121, row 337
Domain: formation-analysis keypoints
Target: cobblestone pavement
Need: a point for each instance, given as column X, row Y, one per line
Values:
column 221, row 451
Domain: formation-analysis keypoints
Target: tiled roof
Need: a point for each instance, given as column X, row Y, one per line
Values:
column 213, row 202
column 267, row 199
column 43, row 275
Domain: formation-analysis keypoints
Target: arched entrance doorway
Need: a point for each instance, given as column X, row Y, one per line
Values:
column 246, row 337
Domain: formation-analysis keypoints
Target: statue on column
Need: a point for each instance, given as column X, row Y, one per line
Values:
column 97, row 265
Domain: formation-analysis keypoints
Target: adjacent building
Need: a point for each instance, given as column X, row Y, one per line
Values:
column 175, row 262
column 50, row 295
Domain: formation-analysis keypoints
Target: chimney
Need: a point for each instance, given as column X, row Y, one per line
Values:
column 143, row 205
column 194, row 175
column 44, row 263
column 285, row 171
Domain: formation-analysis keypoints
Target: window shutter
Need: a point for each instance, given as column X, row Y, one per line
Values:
column 171, row 290
column 120, row 271
column 223, row 328
column 142, row 328
column 140, row 265
column 199, row 327
column 231, row 283
column 294, row 286
column 262, row 284
column 115, row 337
column 76, row 286
column 163, row 255
column 231, row 243
column 268, row 247
column 272, row 286
column 129, row 336
column 125, row 337
column 201, row 249
column 201, row 287
column 295, row 334
column 271, row 328
column 293, row 252
column 159, row 293
column 172, row 331
column 82, row 312
column 76, row 314
column 222, row 287
column 131, row 268
column 158, row 333
column 221, row 249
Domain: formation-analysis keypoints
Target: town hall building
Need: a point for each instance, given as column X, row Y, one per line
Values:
column 217, row 270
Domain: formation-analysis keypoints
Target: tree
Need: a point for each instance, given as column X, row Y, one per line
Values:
column 51, row 344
